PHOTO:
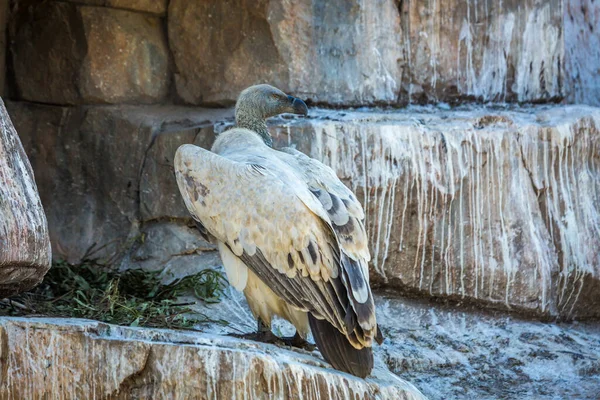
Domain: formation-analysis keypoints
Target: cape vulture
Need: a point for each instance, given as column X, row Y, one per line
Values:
column 290, row 234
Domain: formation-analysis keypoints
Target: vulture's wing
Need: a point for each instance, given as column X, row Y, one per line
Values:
column 268, row 217
column 342, row 207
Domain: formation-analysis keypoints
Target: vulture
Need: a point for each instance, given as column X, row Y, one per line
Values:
column 290, row 234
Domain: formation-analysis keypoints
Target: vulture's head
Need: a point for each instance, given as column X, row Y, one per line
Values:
column 264, row 101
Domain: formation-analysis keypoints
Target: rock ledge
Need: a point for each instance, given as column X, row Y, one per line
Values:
column 70, row 358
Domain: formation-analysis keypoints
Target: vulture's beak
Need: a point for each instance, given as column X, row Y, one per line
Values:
column 298, row 106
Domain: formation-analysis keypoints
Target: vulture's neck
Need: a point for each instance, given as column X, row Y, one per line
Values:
column 256, row 124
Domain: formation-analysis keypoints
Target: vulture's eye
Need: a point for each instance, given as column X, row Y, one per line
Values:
column 275, row 96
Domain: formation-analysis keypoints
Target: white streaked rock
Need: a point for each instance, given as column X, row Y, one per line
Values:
column 77, row 359
column 25, row 252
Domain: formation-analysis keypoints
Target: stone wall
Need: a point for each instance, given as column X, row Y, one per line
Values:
column 355, row 52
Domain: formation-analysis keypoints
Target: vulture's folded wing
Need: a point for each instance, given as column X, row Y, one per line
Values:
column 271, row 221
column 343, row 208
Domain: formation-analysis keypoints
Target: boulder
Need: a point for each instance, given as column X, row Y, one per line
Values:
column 69, row 358
column 336, row 53
column 89, row 54
column 307, row 48
column 25, row 252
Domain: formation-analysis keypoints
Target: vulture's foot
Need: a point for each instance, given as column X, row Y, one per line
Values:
column 298, row 342
column 260, row 336
column 264, row 335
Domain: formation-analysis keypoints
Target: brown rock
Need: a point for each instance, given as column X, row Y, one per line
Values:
column 96, row 170
column 44, row 358
column 159, row 195
column 24, row 244
column 89, row 54
column 308, row 48
column 88, row 163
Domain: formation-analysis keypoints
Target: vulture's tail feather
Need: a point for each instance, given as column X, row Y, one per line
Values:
column 338, row 351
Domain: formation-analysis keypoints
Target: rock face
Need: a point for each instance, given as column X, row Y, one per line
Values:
column 68, row 359
column 98, row 169
column 89, row 54
column 406, row 52
column 24, row 244
column 582, row 48
column 490, row 51
column 331, row 52
column 220, row 48
column 496, row 206
column 492, row 205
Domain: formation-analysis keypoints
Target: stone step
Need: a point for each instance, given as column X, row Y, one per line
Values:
column 498, row 206
column 81, row 359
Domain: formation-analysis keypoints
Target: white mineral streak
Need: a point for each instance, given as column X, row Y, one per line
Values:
column 328, row 62
column 582, row 51
column 538, row 72
column 24, row 242
column 495, row 205
column 491, row 51
column 67, row 359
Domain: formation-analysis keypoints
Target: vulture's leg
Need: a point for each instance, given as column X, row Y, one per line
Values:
column 291, row 341
column 265, row 335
